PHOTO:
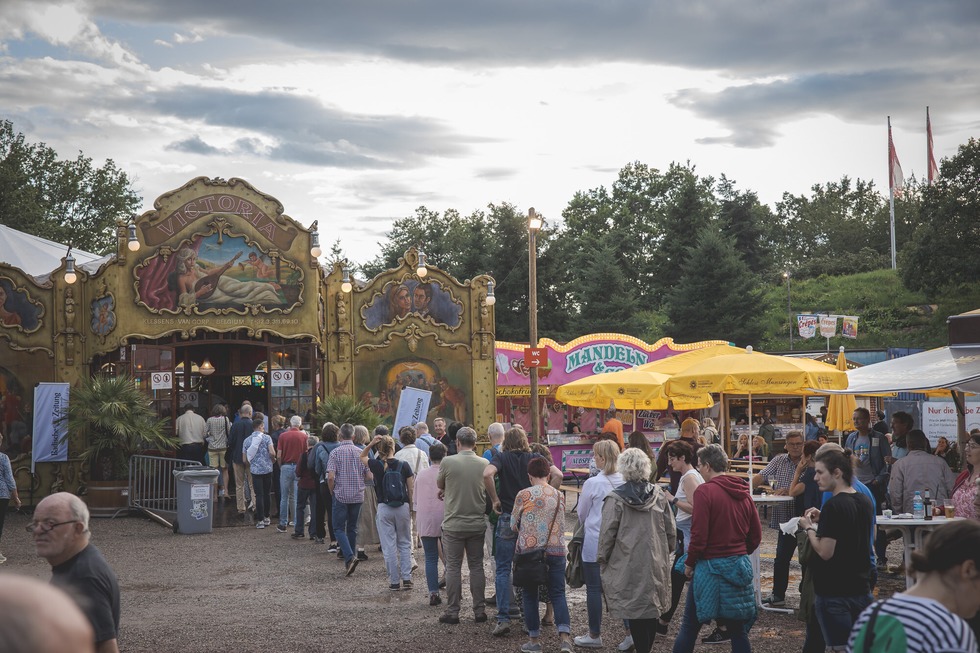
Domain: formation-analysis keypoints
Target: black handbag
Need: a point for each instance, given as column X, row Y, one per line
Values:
column 531, row 567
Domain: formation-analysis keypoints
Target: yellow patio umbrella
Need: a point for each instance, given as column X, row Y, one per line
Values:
column 840, row 408
column 642, row 387
column 757, row 373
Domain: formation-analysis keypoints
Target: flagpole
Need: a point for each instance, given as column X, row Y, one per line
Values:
column 891, row 195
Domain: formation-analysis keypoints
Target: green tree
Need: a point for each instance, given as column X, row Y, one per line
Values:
column 746, row 223
column 717, row 296
column 940, row 255
column 59, row 199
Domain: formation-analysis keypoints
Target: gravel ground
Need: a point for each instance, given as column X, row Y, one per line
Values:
column 244, row 589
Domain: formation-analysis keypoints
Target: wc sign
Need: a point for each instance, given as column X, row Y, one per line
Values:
column 283, row 378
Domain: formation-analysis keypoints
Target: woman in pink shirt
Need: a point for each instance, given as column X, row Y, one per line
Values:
column 429, row 510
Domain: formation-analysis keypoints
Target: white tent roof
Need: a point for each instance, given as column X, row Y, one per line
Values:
column 951, row 368
column 36, row 256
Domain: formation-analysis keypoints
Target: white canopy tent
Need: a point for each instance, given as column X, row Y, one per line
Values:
column 39, row 257
column 954, row 368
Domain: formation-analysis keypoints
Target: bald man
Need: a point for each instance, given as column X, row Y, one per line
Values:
column 61, row 536
column 38, row 618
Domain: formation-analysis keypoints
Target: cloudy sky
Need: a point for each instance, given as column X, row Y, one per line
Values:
column 356, row 113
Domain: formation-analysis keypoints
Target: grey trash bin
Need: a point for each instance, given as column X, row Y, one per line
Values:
column 195, row 499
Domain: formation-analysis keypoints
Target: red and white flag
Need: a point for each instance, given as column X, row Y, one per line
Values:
column 896, row 179
column 930, row 155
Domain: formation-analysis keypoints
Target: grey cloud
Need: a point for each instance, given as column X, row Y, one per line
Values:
column 495, row 173
column 194, row 145
column 753, row 112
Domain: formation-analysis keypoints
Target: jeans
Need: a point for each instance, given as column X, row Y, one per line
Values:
column 785, row 547
column 287, row 493
column 593, row 596
column 323, row 513
column 345, row 526
column 395, row 529
column 504, row 558
column 837, row 615
column 263, row 485
column 430, row 545
column 556, row 592
column 690, row 627
column 455, row 545
column 304, row 496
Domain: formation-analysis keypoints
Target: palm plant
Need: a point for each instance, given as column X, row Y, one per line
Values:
column 345, row 408
column 117, row 421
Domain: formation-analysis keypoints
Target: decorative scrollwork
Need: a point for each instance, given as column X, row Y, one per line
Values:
column 412, row 335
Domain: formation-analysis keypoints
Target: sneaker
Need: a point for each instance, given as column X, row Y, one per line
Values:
column 340, row 555
column 480, row 618
column 407, row 584
column 267, row 521
column 626, row 644
column 292, row 523
column 261, row 524
column 361, row 556
column 448, row 619
column 280, row 529
column 774, row 601
column 501, row 629
column 588, row 641
column 566, row 646
column 530, row 648
column 414, row 567
column 317, row 540
column 394, row 587
column 717, row 637
column 297, row 536
column 333, row 548
column 3, row 558
column 491, row 601
column 351, row 566
column 435, row 599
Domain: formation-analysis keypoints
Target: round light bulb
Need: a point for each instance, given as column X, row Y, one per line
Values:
column 134, row 245
column 346, row 286
column 491, row 300
column 315, row 252
column 422, row 271
column 70, row 277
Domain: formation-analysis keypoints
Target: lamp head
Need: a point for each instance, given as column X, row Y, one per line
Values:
column 206, row 369
column 70, row 275
column 421, row 270
column 315, row 250
column 134, row 243
column 491, row 298
column 345, row 283
column 534, row 221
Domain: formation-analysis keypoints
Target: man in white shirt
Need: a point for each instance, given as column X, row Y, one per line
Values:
column 191, row 429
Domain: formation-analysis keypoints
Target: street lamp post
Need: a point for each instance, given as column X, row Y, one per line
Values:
column 789, row 309
column 533, row 225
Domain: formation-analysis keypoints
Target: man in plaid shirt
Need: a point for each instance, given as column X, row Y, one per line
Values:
column 345, row 477
column 779, row 474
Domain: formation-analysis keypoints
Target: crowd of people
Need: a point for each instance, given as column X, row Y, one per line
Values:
column 644, row 543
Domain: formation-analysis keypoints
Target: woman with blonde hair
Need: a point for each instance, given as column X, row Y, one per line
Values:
column 709, row 431
column 637, row 534
column 605, row 454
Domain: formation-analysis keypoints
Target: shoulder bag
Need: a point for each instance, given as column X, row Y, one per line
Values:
column 531, row 567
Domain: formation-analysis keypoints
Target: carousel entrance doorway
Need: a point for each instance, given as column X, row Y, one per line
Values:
column 278, row 376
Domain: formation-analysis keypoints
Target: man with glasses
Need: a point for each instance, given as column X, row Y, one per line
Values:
column 778, row 476
column 61, row 536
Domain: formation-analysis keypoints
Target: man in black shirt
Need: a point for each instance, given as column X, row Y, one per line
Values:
column 61, row 536
column 840, row 535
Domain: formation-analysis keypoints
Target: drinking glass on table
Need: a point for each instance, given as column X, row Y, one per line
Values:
column 949, row 508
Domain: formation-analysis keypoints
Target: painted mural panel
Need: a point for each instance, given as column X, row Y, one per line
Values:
column 397, row 300
column 103, row 316
column 220, row 274
column 17, row 309
column 446, row 381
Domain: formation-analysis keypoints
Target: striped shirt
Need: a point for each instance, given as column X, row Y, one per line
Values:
column 348, row 470
column 782, row 469
column 913, row 624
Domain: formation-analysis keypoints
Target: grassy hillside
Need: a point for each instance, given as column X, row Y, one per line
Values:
column 890, row 314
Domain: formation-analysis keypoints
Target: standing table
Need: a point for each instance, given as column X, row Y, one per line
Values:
column 913, row 535
column 763, row 499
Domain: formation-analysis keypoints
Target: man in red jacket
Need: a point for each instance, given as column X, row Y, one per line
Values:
column 725, row 529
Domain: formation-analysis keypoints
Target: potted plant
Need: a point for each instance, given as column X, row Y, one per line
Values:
column 345, row 408
column 115, row 420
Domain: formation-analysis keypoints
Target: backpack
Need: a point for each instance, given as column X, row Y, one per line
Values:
column 393, row 484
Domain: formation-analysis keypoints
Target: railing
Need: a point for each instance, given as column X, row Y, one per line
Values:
column 152, row 487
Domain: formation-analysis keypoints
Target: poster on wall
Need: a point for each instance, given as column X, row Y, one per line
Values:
column 50, row 409
column 807, row 325
column 939, row 419
column 413, row 405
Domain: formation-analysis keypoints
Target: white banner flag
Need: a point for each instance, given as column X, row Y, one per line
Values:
column 807, row 325
column 828, row 327
column 50, row 408
column 413, row 405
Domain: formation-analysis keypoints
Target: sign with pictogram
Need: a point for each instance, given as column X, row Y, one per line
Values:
column 535, row 356
column 161, row 380
column 283, row 378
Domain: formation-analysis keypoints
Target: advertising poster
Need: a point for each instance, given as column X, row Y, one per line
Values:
column 413, row 404
column 807, row 325
column 828, row 327
column 939, row 419
column 50, row 407
column 849, row 327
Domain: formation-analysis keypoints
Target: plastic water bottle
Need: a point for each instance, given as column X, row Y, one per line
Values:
column 918, row 508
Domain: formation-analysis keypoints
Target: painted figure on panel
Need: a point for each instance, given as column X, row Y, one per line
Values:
column 103, row 316
column 204, row 274
column 17, row 309
column 398, row 300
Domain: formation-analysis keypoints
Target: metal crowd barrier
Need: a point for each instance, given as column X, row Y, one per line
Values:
column 152, row 487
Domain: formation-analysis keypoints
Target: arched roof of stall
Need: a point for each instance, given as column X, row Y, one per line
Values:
column 38, row 256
